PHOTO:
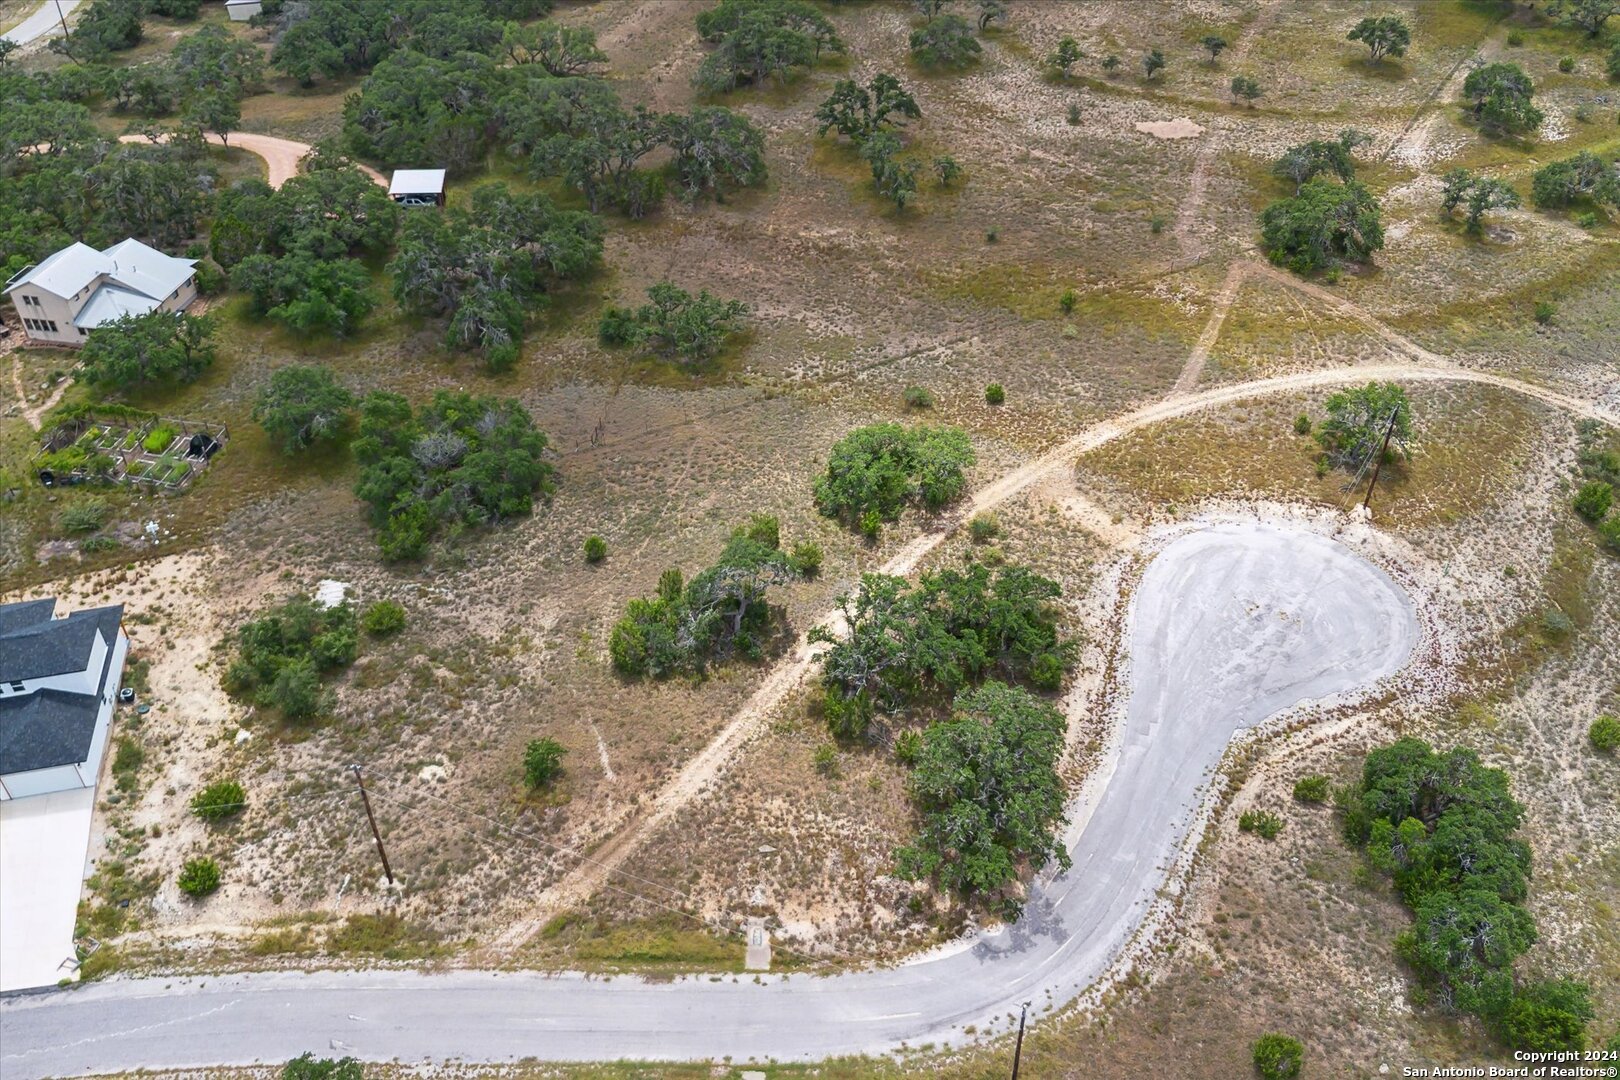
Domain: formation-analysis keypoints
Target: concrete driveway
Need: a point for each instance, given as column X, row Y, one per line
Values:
column 44, row 842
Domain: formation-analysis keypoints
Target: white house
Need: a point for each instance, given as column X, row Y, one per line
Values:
column 417, row 187
column 79, row 288
column 58, row 686
column 242, row 10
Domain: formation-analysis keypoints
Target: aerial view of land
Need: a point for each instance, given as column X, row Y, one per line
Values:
column 844, row 538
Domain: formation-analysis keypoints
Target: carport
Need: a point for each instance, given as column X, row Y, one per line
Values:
column 44, row 845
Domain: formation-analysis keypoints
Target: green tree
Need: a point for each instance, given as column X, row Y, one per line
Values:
column 715, row 149
column 1215, row 44
column 137, row 351
column 761, row 39
column 1325, row 224
column 860, row 111
column 214, row 59
column 1357, row 420
column 945, row 42
column 1546, row 1017
column 883, row 467
column 1153, row 62
column 1479, row 194
column 1278, row 1057
column 1065, row 56
column 561, row 50
column 1384, row 35
column 423, row 111
column 1604, row 734
column 1587, row 15
column 1319, row 157
column 542, row 762
column 676, row 323
column 985, row 784
column 106, row 26
column 1246, row 88
column 475, row 461
column 306, row 294
column 302, row 405
column 991, row 11
column 1500, row 96
column 1585, row 175
column 947, row 169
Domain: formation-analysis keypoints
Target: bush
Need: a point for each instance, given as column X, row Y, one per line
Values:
column 916, row 397
column 995, row 394
column 763, row 529
column 281, row 655
column 826, row 760
column 1613, row 63
column 158, row 439
column 946, row 41
column 1311, row 789
column 907, row 747
column 542, row 762
column 1325, row 224
column 219, row 800
column 806, row 559
column 309, row 1067
column 1604, row 733
column 383, row 619
column 1556, row 625
column 199, row 877
column 1610, row 531
column 1566, row 64
column 84, row 516
column 1545, row 311
column 1302, row 424
column 595, row 549
column 1278, row 1057
column 617, row 326
column 1546, row 1017
column 1067, row 301
column 1263, row 822
column 1592, row 502
column 983, row 527
column 302, row 405
column 1073, row 116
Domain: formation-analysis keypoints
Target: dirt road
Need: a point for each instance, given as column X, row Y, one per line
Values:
column 281, row 156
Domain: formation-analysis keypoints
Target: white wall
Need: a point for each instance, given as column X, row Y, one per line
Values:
column 20, row 785
column 51, row 308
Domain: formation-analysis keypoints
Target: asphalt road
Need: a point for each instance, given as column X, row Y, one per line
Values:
column 45, row 21
column 1230, row 624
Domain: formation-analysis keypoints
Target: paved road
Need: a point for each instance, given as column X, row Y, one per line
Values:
column 43, row 22
column 1230, row 625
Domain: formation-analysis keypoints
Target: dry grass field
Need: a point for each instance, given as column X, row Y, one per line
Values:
column 852, row 303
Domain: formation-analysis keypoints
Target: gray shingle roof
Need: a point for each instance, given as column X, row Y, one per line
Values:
column 53, row 646
column 45, row 729
column 25, row 613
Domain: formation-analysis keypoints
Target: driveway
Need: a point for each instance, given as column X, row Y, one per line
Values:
column 44, row 22
column 44, row 841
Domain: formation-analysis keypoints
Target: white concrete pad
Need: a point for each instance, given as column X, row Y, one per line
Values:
column 44, row 841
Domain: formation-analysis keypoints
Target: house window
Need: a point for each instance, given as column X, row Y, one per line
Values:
column 53, row 326
column 83, row 332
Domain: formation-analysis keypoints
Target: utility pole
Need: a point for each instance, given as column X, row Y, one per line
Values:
column 1366, row 504
column 1018, row 1047
column 355, row 768
column 61, row 18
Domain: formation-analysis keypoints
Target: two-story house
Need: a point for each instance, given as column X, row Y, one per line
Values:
column 69, row 294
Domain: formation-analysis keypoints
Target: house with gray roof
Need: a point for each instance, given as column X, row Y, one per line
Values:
column 59, row 683
column 70, row 293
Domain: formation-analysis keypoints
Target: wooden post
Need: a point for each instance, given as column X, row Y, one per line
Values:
column 387, row 871
column 1366, row 504
column 1018, row 1047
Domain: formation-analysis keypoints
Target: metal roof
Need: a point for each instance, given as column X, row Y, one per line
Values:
column 416, row 182
column 130, row 263
column 110, row 303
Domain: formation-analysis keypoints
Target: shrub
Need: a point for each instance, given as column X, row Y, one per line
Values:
column 1074, row 114
column 1604, row 733
column 907, row 747
column 1613, row 63
column 871, row 524
column 1263, row 822
column 1313, row 789
column 219, row 800
column 1326, row 223
column 281, row 655
column 1610, row 531
column 1278, row 1057
column 995, row 394
column 806, row 559
column 1566, row 64
column 826, row 759
column 1592, row 502
column 1547, row 1016
column 383, row 619
column 1302, row 424
column 1556, row 625
column 87, row 515
column 309, row 1067
column 1067, row 301
column 1545, row 312
column 617, row 326
column 983, row 527
column 199, row 877
column 595, row 549
column 97, row 544
column 303, row 405
column 542, row 762
column 946, row 41
column 1515, row 38
column 917, row 397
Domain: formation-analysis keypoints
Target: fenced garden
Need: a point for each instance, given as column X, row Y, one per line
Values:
column 127, row 448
